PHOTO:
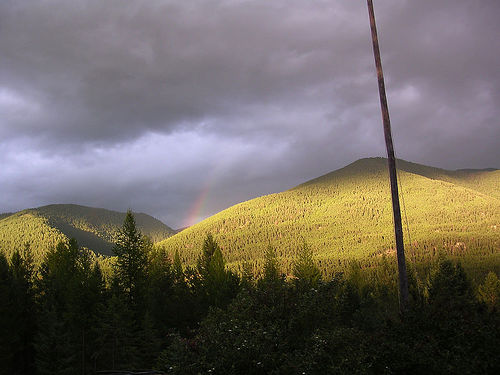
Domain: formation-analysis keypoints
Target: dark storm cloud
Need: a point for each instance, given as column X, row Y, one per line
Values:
column 99, row 70
column 144, row 104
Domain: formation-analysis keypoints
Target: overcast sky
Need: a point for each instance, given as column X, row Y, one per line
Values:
column 182, row 108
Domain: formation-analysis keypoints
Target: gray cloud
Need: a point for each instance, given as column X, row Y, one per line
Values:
column 144, row 104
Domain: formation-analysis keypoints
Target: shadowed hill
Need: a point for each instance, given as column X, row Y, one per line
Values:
column 94, row 228
column 347, row 214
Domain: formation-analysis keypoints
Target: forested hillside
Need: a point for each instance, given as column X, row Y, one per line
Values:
column 346, row 215
column 93, row 228
column 64, row 317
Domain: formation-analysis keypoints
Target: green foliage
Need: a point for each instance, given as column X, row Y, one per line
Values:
column 119, row 340
column 306, row 274
column 346, row 215
column 23, row 311
column 204, row 320
column 17, row 314
column 208, row 250
column 177, row 266
column 200, row 317
column 131, row 250
column 26, row 227
column 450, row 291
column 6, row 315
column 55, row 351
column 489, row 292
column 247, row 276
column 219, row 284
column 330, row 330
column 161, row 278
column 70, row 298
column 94, row 228
column 271, row 267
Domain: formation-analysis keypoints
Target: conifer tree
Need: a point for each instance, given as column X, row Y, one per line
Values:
column 187, row 296
column 132, row 261
column 119, row 335
column 247, row 277
column 271, row 267
column 489, row 292
column 208, row 250
column 24, row 311
column 219, row 284
column 70, row 301
column 55, row 352
column 177, row 267
column 85, row 309
column 56, row 341
column 450, row 292
column 160, row 292
column 306, row 272
column 7, row 313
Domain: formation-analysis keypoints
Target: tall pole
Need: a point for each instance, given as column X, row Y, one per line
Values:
column 398, row 227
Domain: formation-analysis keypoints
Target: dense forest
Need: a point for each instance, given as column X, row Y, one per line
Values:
column 94, row 228
column 346, row 216
column 153, row 311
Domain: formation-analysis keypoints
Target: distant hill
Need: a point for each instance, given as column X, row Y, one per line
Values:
column 94, row 228
column 347, row 214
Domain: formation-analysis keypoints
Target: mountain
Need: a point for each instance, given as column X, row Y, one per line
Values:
column 347, row 214
column 94, row 228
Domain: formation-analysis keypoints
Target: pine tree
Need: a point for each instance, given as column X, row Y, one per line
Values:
column 305, row 271
column 247, row 277
column 450, row 292
column 177, row 267
column 25, row 311
column 208, row 251
column 118, row 345
column 160, row 292
column 149, row 343
column 85, row 308
column 219, row 285
column 55, row 352
column 7, row 314
column 97, row 316
column 70, row 300
column 132, row 261
column 489, row 292
column 56, row 287
column 187, row 298
column 271, row 267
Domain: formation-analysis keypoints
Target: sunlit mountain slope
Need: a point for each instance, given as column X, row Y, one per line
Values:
column 94, row 228
column 347, row 214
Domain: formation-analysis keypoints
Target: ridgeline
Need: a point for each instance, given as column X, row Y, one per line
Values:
column 93, row 228
column 346, row 215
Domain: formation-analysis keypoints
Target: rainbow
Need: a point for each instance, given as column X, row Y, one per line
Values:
column 196, row 211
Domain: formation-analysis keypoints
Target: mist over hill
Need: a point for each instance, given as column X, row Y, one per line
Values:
column 347, row 214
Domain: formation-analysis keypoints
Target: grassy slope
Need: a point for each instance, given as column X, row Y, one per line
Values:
column 347, row 214
column 94, row 228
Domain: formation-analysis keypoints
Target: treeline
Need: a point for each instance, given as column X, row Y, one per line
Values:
column 152, row 312
column 25, row 227
column 347, row 215
column 94, row 228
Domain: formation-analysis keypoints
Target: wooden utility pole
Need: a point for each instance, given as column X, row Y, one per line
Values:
column 398, row 227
